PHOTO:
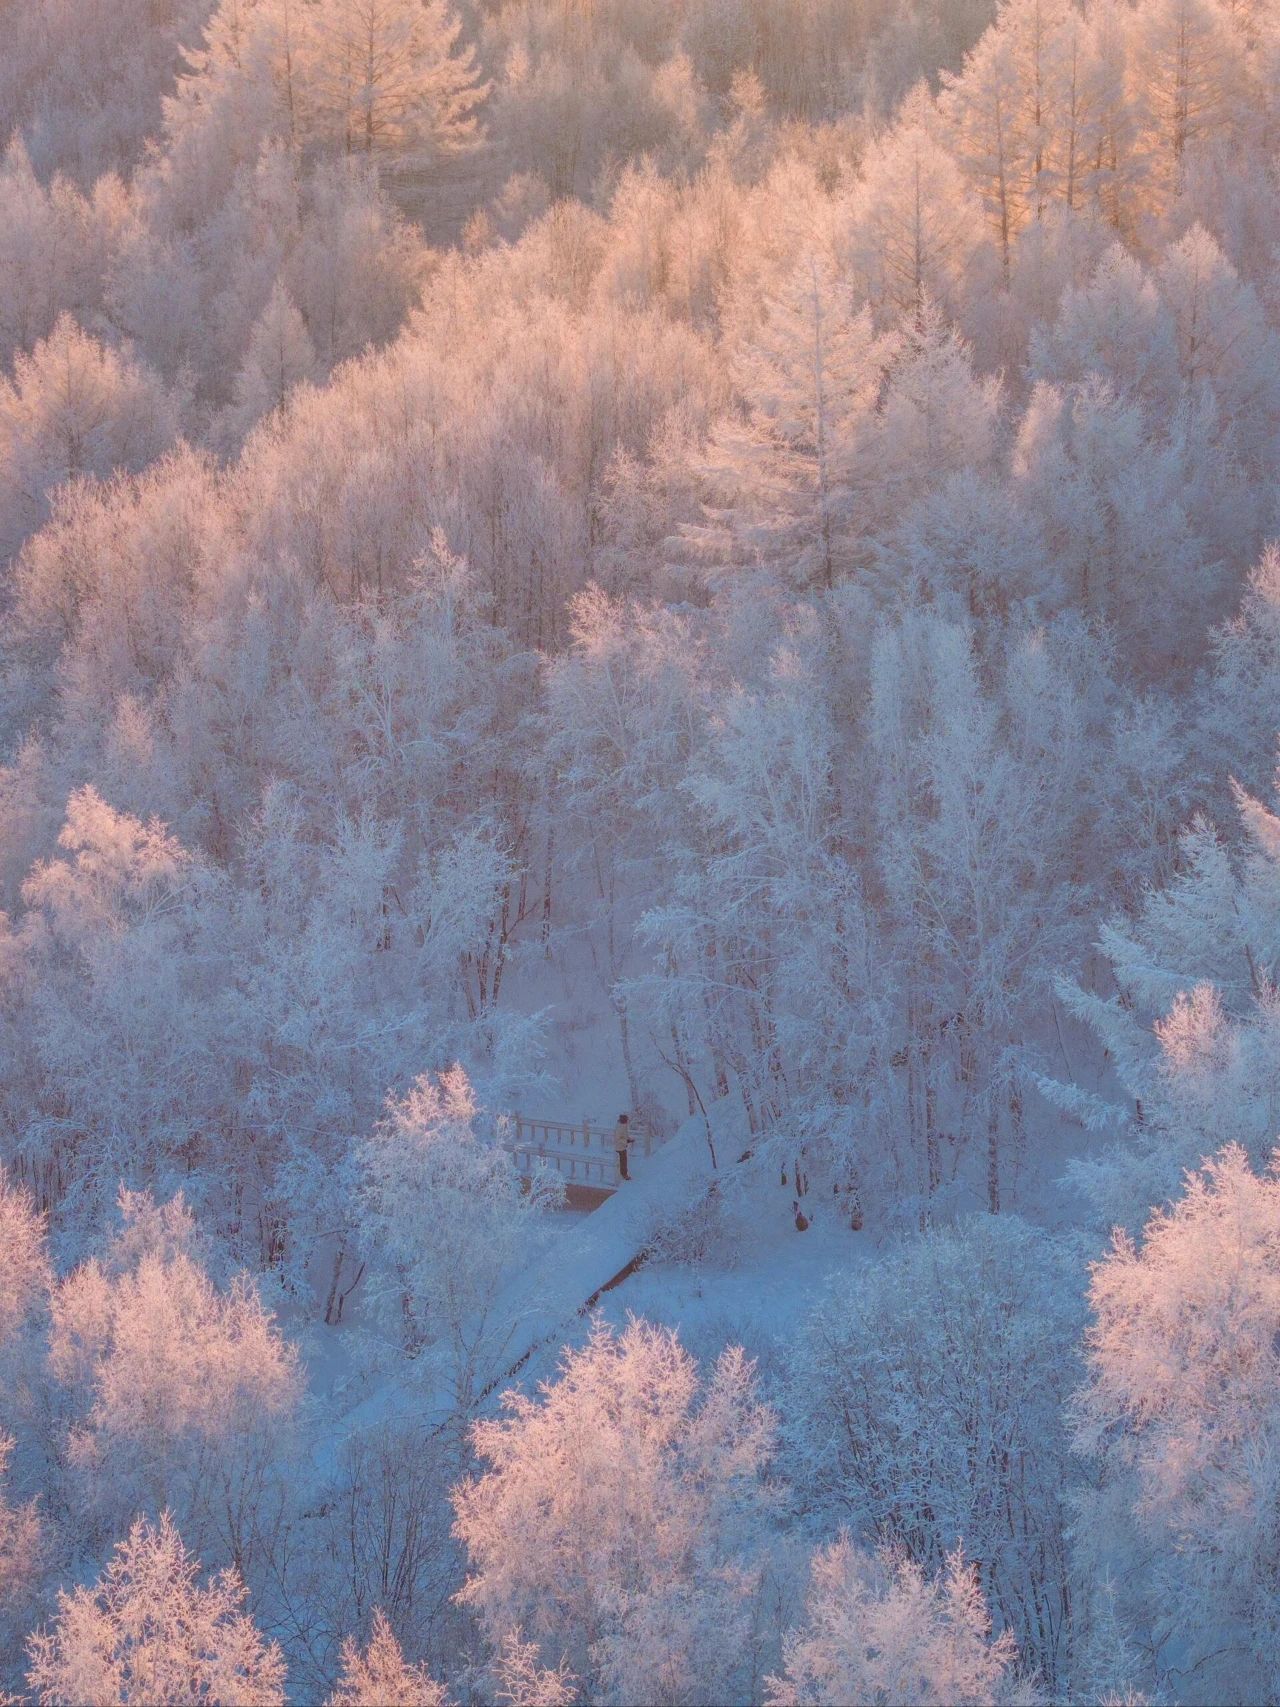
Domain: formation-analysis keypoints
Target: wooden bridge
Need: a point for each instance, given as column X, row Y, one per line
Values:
column 582, row 1154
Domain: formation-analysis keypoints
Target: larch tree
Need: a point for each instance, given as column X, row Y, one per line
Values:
column 1050, row 43
column 969, row 548
column 85, row 85
column 780, row 476
column 1077, row 81
column 73, row 407
column 1116, row 488
column 279, row 356
column 992, row 138
column 1115, row 171
column 1187, row 78
column 1223, row 340
column 1117, row 329
column 394, row 80
column 937, row 418
column 246, row 86
column 358, row 265
column 57, row 247
column 1021, row 115
column 910, row 225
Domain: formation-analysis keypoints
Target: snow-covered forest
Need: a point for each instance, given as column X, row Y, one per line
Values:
column 717, row 559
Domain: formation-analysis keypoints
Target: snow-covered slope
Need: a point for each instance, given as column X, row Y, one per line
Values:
column 539, row 1304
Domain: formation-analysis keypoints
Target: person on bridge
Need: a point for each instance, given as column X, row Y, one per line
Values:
column 622, row 1143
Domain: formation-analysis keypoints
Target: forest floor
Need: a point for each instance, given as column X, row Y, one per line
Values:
column 740, row 1274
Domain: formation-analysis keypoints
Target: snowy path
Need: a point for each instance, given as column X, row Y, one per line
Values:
column 542, row 1302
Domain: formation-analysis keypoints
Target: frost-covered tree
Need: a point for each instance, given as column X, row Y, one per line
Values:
column 912, row 222
column 522, row 1681
column 447, row 1213
column 969, row 550
column 1223, row 339
column 25, row 1272
column 766, row 927
column 392, row 79
column 73, row 407
column 23, row 1558
column 993, row 137
column 1238, row 716
column 378, row 1544
column 579, row 92
column 84, row 85
column 357, row 266
column 878, row 1629
column 1193, row 1027
column 1115, row 329
column 618, row 1517
column 937, row 418
column 179, row 1393
column 243, row 85
column 985, row 911
column 279, row 356
column 26, row 1278
column 1180, row 1416
column 1120, row 492
column 56, row 248
column 111, row 917
column 1187, row 76
column 781, row 480
column 625, row 703
column 926, row 1406
column 379, row 1674
column 148, row 1631
column 376, row 77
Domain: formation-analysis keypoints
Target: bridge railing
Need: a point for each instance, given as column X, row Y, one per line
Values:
column 580, row 1151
